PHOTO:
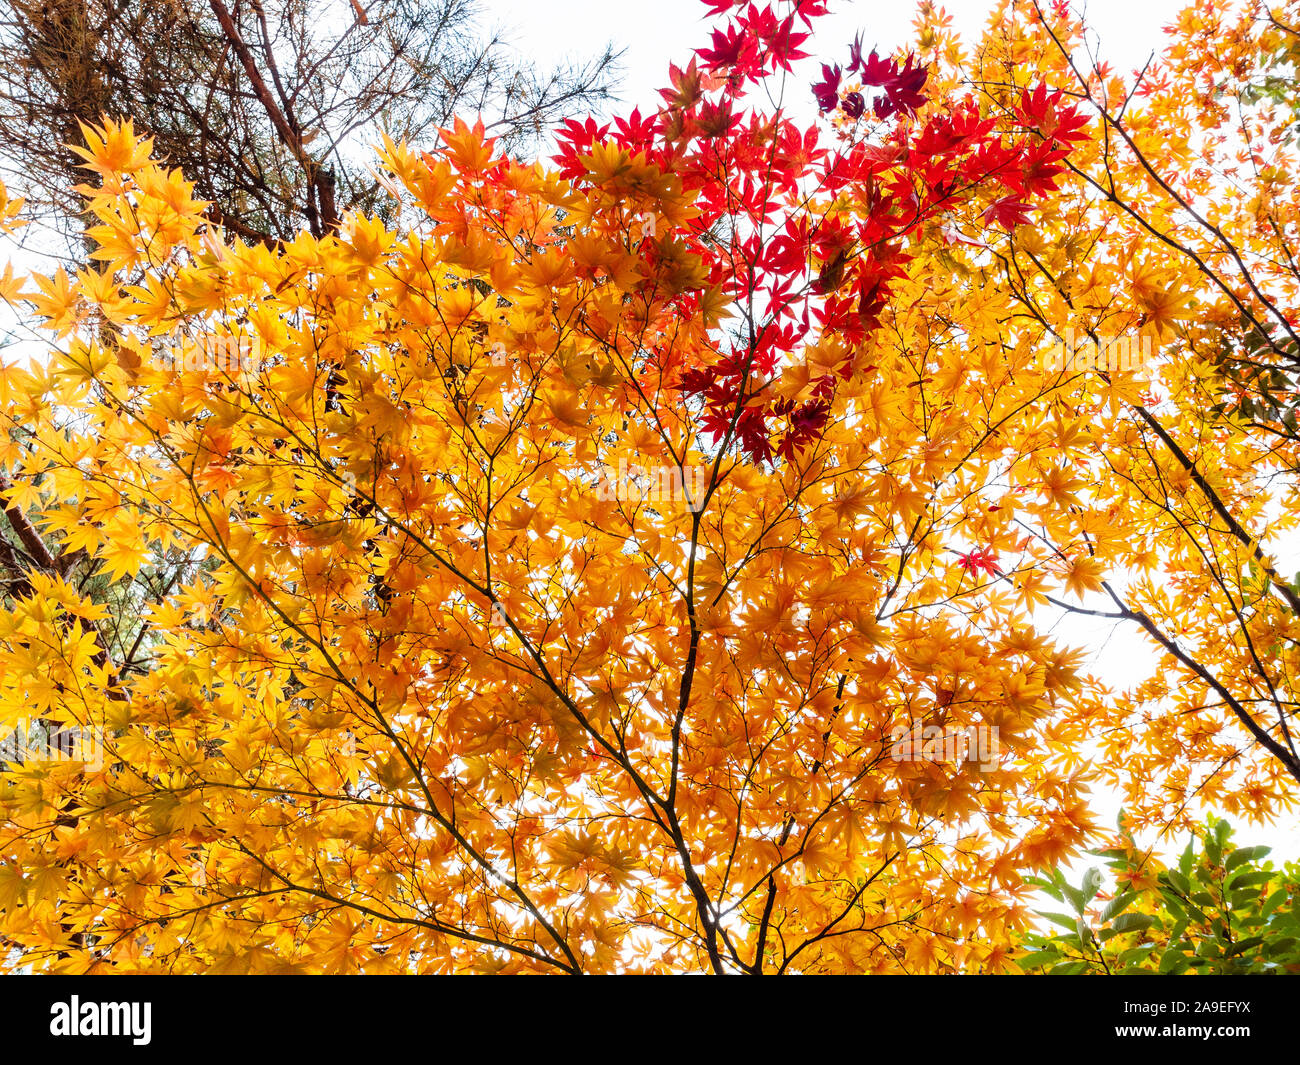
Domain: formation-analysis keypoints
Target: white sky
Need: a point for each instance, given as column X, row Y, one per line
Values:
column 663, row 30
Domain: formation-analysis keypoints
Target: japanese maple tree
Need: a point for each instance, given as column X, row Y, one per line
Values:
column 432, row 698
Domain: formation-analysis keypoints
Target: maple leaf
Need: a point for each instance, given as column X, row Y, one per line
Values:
column 113, row 148
column 827, row 91
column 783, row 43
column 902, row 85
column 732, row 47
column 980, row 559
column 1084, row 575
column 686, row 89
column 1008, row 212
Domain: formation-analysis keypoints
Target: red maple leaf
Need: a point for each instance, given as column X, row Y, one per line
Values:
column 981, row 558
column 1008, row 212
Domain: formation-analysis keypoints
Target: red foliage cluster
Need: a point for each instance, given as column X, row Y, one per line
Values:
column 795, row 271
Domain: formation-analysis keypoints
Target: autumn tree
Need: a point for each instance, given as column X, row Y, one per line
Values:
column 579, row 546
column 1172, row 237
column 267, row 107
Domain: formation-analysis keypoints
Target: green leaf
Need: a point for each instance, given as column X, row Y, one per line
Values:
column 1062, row 919
column 1274, row 901
column 1135, row 954
column 1083, row 931
column 1118, row 905
column 1046, row 887
column 1131, row 922
column 1038, row 958
column 1214, row 847
column 1113, row 853
column 1245, row 854
column 1245, row 945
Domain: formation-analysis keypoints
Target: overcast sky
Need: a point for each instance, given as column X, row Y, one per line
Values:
column 661, row 30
